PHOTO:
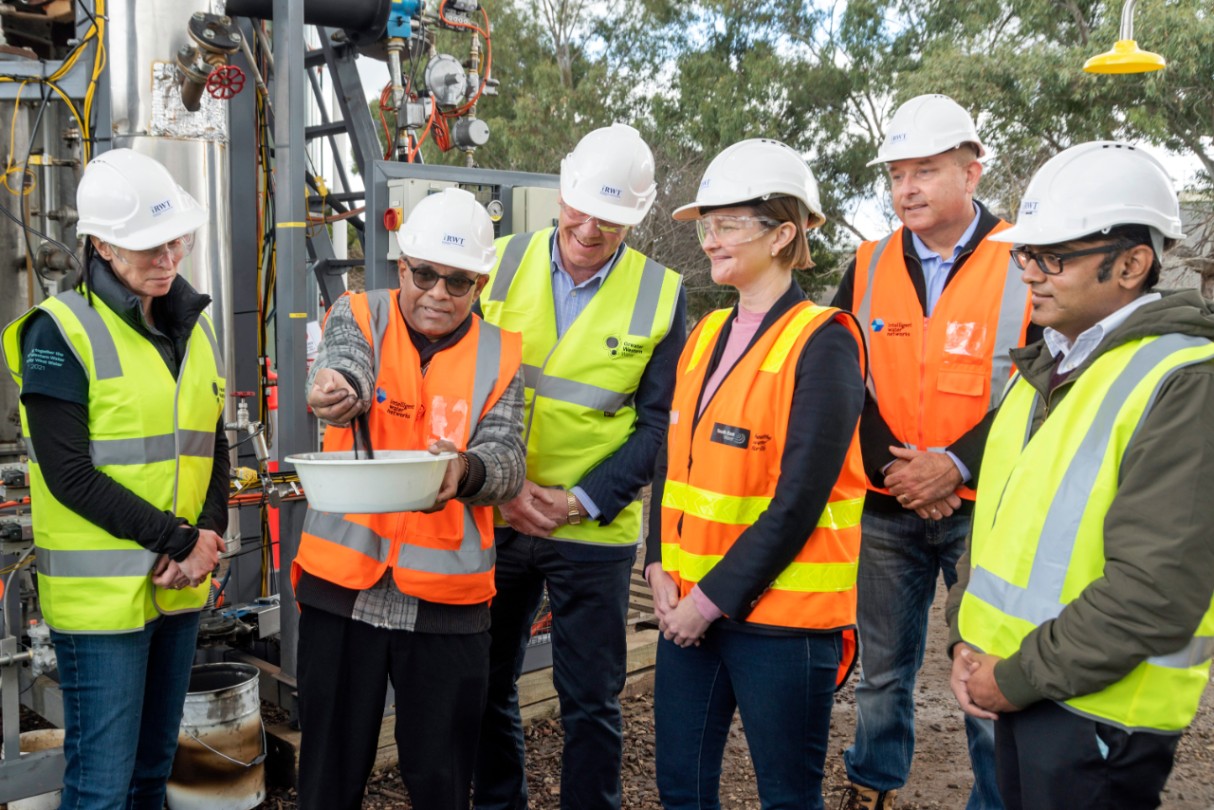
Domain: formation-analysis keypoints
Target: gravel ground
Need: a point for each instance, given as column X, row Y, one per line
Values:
column 940, row 777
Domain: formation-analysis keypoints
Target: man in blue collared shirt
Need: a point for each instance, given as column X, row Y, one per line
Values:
column 914, row 524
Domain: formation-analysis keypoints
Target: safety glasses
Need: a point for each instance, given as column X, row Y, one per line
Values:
column 425, row 277
column 578, row 219
column 174, row 251
column 731, row 231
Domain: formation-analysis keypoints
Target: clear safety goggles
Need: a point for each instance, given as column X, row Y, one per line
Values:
column 173, row 251
column 731, row 231
column 578, row 219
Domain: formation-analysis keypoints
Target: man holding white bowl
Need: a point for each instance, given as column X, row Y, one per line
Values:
column 405, row 595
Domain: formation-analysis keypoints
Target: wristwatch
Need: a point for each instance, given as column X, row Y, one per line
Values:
column 575, row 514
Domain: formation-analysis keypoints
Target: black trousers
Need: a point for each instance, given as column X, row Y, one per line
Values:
column 589, row 600
column 440, row 682
column 1049, row 758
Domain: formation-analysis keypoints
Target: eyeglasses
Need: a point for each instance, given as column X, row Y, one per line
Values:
column 731, row 231
column 1051, row 263
column 577, row 219
column 425, row 277
column 176, row 250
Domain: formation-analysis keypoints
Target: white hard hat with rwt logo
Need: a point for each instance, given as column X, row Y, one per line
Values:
column 449, row 228
column 756, row 169
column 1093, row 187
column 130, row 200
column 609, row 176
column 925, row 126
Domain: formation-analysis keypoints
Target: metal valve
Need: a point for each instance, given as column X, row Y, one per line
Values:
column 257, row 434
column 204, row 65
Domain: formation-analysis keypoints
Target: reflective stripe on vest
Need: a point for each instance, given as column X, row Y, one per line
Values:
column 114, row 562
column 996, row 613
column 864, row 313
column 89, row 580
column 715, row 491
column 581, row 384
column 743, row 511
column 470, row 558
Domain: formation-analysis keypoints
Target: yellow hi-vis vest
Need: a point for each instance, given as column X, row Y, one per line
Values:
column 1030, row 562
column 579, row 389
column 152, row 434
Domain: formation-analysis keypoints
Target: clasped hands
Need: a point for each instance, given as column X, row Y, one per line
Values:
column 168, row 573
column 924, row 481
column 538, row 511
column 679, row 620
column 973, row 683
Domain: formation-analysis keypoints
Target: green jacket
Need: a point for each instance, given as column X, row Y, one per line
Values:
column 1159, row 574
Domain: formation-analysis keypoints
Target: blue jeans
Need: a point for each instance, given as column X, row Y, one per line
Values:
column 589, row 600
column 900, row 557
column 123, row 695
column 784, row 688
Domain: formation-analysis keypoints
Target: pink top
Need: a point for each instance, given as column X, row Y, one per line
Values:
column 745, row 325
column 744, row 328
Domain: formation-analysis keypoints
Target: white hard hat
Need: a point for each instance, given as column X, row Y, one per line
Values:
column 756, row 169
column 449, row 228
column 130, row 200
column 926, row 126
column 609, row 175
column 1093, row 187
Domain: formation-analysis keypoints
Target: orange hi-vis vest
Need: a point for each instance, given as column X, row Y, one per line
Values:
column 446, row 556
column 936, row 377
column 724, row 466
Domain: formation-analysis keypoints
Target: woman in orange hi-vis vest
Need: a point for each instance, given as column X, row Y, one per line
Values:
column 406, row 595
column 752, row 560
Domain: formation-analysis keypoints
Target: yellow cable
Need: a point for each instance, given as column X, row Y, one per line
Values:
column 12, row 168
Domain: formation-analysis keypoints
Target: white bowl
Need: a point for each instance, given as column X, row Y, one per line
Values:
column 393, row 481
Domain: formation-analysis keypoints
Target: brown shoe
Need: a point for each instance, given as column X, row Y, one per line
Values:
column 858, row 797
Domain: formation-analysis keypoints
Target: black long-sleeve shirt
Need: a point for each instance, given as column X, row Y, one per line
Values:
column 828, row 395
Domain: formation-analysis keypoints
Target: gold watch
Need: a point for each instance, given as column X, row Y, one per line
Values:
column 575, row 514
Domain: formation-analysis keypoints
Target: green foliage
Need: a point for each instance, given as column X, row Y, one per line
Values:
column 824, row 77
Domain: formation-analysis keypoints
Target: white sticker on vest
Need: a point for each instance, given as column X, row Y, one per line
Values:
column 965, row 339
column 448, row 420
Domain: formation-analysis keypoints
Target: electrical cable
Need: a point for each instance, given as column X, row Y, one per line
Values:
column 29, row 151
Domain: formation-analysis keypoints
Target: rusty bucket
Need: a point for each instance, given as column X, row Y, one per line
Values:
column 221, row 749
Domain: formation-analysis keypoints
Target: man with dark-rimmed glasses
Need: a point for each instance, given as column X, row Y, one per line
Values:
column 1082, row 619
column 602, row 326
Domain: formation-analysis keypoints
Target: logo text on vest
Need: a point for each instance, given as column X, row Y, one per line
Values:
column 730, row 435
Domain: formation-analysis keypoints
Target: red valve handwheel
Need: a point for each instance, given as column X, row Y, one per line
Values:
column 225, row 81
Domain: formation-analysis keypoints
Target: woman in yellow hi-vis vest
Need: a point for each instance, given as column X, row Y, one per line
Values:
column 122, row 390
column 753, row 568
